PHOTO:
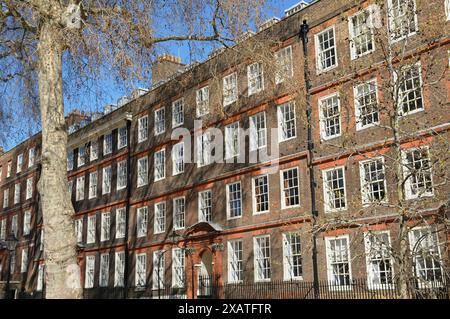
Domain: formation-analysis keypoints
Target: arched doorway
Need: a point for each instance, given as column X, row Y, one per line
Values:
column 205, row 275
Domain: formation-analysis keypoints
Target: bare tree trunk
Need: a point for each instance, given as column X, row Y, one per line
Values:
column 403, row 256
column 62, row 270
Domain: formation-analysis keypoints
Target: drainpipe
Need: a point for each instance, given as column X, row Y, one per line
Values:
column 127, row 204
column 304, row 29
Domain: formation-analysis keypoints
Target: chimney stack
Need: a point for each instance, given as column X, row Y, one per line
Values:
column 1, row 150
column 165, row 66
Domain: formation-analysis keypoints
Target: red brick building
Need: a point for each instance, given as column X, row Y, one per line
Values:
column 147, row 217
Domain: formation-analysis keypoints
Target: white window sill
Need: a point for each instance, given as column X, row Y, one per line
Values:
column 362, row 128
column 320, row 71
column 287, row 139
column 338, row 210
column 290, row 207
column 355, row 56
column 262, row 280
column 412, row 112
column 402, row 37
column 260, row 213
column 327, row 138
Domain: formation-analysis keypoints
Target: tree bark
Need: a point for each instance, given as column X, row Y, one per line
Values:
column 62, row 270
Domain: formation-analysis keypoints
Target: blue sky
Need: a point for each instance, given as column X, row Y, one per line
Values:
column 105, row 90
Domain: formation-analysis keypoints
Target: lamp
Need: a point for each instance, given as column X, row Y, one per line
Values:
column 11, row 242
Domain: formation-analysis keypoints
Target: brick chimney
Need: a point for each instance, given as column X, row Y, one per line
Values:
column 165, row 66
column 76, row 116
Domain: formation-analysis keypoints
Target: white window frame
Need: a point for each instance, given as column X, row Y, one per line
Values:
column 161, row 112
column 447, row 9
column 330, row 274
column 93, row 150
column 163, row 164
column 364, row 187
column 40, row 277
column 79, row 194
column 281, row 56
column 255, row 132
column 70, row 160
column 283, row 188
column 105, row 231
column 120, row 222
column 178, row 268
column 3, row 229
column 202, row 102
column 17, row 193
column 107, row 144
column 288, row 267
column 372, row 275
column 29, row 190
column 255, row 211
column 26, row 222
column 257, row 256
column 178, row 158
column 228, row 200
column 351, row 28
column 177, row 223
column 177, row 113
column 79, row 229
column 407, row 183
column 359, row 124
column 160, row 214
column 390, row 22
column 81, row 156
column 142, row 128
column 203, row 206
column 122, row 137
column 93, row 182
column 431, row 230
column 31, row 157
column 9, row 169
column 253, row 78
column 142, row 171
column 14, row 225
column 235, row 262
column 119, row 268
column 90, row 272
column 401, row 94
column 281, row 111
column 140, row 275
column 142, row 221
column 24, row 260
column 204, row 148
column 6, row 198
column 323, row 127
column 319, row 68
column 159, row 265
column 103, row 278
column 91, row 229
column 106, row 180
column 121, row 175
column 19, row 163
column 327, row 207
column 230, row 90
column 232, row 133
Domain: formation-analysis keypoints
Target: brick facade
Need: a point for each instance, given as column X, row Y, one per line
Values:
column 205, row 238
